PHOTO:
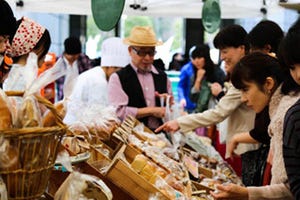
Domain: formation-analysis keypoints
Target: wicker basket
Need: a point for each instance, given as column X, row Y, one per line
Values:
column 36, row 150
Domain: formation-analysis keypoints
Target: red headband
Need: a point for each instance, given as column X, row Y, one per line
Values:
column 27, row 36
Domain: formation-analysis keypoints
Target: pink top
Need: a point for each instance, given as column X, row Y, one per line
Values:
column 118, row 98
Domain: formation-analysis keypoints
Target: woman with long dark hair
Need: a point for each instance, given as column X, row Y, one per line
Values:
column 195, row 78
column 258, row 76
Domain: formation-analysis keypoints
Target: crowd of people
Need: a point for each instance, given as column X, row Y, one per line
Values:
column 265, row 80
column 255, row 100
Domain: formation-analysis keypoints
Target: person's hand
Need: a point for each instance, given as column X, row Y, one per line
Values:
column 230, row 191
column 233, row 143
column 197, row 83
column 170, row 126
column 200, row 74
column 182, row 103
column 158, row 112
column 165, row 96
column 215, row 89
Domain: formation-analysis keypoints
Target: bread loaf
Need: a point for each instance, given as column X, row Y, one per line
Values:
column 30, row 115
column 97, row 191
column 49, row 119
column 5, row 115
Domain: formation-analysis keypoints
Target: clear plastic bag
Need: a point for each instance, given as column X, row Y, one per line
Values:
column 79, row 186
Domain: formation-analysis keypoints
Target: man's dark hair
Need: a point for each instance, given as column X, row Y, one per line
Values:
column 231, row 36
column 72, row 45
column 264, row 33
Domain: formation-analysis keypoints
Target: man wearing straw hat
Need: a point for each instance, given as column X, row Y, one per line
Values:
column 136, row 90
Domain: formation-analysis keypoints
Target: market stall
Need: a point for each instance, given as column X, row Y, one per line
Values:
column 138, row 164
column 100, row 157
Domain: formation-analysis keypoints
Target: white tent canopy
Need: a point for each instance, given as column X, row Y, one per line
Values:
column 159, row 8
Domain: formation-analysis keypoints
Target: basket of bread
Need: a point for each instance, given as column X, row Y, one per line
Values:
column 28, row 150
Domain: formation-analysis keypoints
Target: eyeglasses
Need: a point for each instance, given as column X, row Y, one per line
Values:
column 143, row 53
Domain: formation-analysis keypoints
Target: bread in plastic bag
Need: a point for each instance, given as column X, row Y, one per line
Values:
column 79, row 186
column 5, row 113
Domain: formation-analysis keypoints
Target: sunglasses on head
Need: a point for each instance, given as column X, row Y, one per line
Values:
column 143, row 53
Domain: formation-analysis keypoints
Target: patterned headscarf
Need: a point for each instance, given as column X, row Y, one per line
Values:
column 27, row 36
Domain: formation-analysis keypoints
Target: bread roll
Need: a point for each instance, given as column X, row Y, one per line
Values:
column 5, row 115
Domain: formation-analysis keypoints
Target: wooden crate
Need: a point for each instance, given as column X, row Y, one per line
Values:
column 200, row 186
column 57, row 178
column 103, row 153
column 206, row 171
column 122, row 175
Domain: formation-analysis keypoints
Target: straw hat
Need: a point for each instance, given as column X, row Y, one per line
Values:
column 142, row 36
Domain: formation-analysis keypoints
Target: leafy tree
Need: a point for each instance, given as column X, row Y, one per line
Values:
column 132, row 21
column 164, row 28
column 93, row 31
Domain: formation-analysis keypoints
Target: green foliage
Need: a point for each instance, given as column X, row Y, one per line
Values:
column 132, row 21
column 93, row 31
column 163, row 27
column 178, row 40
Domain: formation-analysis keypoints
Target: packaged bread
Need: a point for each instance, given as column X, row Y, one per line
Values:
column 49, row 118
column 161, row 172
column 30, row 114
column 174, row 183
column 166, row 189
column 79, row 128
column 83, row 186
column 139, row 162
column 102, row 129
column 5, row 114
column 97, row 190
column 76, row 144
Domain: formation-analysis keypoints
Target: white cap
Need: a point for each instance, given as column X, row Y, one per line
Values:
column 114, row 53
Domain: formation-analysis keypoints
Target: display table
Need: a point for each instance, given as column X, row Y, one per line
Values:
column 135, row 163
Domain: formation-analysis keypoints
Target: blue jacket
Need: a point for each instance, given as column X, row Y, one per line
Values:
column 185, row 85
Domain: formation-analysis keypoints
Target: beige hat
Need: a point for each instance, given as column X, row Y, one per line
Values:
column 142, row 36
